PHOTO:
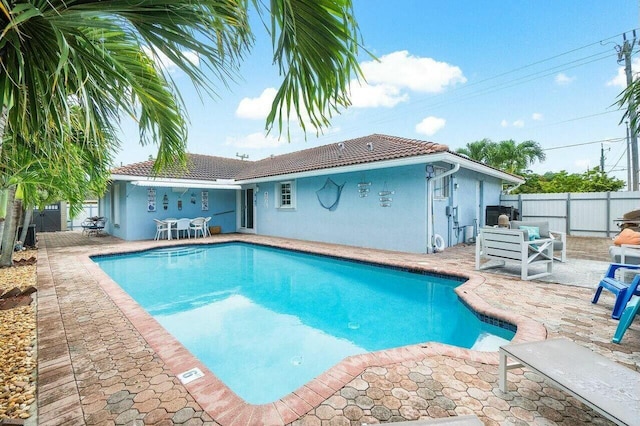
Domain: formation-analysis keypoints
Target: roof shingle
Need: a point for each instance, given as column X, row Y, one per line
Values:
column 362, row 150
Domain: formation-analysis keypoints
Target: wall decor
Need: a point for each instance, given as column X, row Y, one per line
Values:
column 179, row 204
column 363, row 188
column 329, row 194
column 205, row 200
column 385, row 196
column 266, row 199
column 193, row 198
column 151, row 200
column 165, row 202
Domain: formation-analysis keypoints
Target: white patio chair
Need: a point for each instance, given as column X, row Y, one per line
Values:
column 161, row 227
column 197, row 225
column 183, row 225
column 206, row 226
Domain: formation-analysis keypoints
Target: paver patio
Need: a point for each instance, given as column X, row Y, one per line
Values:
column 100, row 365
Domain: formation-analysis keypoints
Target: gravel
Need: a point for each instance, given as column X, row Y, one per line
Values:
column 17, row 343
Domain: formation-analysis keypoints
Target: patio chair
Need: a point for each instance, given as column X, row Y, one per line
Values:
column 513, row 245
column 206, row 226
column 559, row 238
column 625, row 253
column 162, row 227
column 197, row 225
column 629, row 313
column 183, row 225
column 621, row 289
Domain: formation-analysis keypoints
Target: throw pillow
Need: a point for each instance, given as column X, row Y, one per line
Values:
column 532, row 231
column 627, row 236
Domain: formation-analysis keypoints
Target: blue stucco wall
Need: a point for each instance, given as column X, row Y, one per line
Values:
column 363, row 222
column 356, row 221
column 136, row 223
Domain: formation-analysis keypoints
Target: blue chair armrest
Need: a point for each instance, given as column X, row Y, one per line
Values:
column 611, row 271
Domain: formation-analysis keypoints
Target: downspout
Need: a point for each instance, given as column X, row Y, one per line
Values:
column 430, row 218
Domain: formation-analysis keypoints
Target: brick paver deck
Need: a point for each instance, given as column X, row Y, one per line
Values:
column 103, row 360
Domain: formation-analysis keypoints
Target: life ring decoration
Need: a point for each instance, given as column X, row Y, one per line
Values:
column 438, row 242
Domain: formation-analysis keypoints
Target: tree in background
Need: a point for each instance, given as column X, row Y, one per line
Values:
column 506, row 155
column 100, row 56
column 590, row 181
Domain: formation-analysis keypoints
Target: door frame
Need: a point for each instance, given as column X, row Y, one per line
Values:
column 240, row 208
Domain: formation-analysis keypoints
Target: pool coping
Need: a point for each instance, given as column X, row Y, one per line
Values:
column 226, row 408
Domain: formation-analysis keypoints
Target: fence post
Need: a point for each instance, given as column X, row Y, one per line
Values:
column 567, row 211
column 608, row 216
column 520, row 205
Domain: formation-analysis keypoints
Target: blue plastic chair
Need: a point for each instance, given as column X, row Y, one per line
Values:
column 623, row 291
column 626, row 319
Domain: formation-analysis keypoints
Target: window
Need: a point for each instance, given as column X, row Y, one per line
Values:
column 441, row 185
column 286, row 193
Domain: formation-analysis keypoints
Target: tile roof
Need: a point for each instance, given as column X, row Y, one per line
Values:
column 199, row 167
column 362, row 150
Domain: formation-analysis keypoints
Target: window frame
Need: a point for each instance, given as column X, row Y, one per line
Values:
column 442, row 185
column 280, row 196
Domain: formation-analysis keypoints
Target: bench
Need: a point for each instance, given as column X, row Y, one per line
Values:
column 505, row 244
column 604, row 385
column 468, row 420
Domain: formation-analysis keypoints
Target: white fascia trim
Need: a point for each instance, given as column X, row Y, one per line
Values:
column 179, row 183
column 423, row 159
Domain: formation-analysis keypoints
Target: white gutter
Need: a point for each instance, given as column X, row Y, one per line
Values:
column 430, row 218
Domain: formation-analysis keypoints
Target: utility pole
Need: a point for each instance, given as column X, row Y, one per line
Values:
column 628, row 158
column 602, row 158
column 624, row 54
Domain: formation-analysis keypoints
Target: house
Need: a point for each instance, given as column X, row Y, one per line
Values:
column 376, row 191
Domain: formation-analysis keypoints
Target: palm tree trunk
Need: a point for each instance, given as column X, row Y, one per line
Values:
column 28, row 214
column 9, row 235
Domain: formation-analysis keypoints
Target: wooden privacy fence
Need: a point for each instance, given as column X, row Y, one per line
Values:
column 590, row 214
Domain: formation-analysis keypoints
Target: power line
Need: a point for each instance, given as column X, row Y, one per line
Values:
column 612, row 140
column 387, row 117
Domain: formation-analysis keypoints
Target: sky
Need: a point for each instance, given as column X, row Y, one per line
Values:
column 446, row 72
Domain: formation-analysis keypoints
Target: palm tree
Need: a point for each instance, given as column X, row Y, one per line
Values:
column 98, row 55
column 482, row 150
column 505, row 155
column 515, row 157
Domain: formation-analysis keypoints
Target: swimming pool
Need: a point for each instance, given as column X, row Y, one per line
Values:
column 266, row 320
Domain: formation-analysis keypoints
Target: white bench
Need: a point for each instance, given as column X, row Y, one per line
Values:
column 468, row 420
column 505, row 244
column 604, row 385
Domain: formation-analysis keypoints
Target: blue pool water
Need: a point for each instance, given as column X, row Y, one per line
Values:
column 266, row 321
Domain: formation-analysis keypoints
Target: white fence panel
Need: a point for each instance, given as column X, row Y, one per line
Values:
column 581, row 214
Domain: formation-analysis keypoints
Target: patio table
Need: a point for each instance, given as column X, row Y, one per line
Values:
column 171, row 224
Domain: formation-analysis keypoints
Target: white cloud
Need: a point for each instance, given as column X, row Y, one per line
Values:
column 257, row 108
column 562, row 79
column 536, row 116
column 620, row 80
column 382, row 95
column 164, row 62
column 430, row 125
column 256, row 140
column 402, row 70
column 517, row 123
